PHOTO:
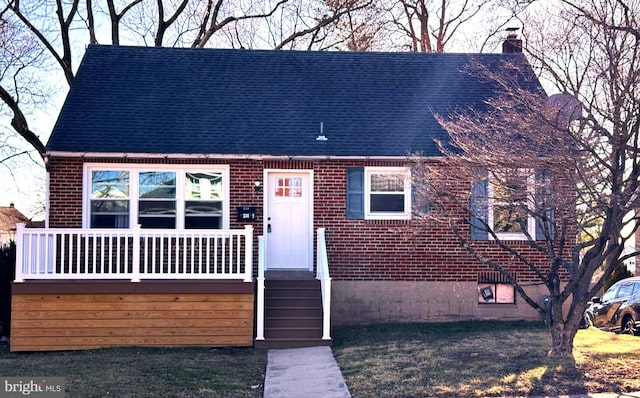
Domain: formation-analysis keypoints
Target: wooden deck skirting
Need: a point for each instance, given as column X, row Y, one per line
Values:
column 73, row 315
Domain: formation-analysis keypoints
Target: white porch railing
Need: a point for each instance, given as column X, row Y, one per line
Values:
column 260, row 291
column 134, row 254
column 322, row 273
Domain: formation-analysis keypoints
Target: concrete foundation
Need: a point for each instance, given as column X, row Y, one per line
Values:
column 368, row 302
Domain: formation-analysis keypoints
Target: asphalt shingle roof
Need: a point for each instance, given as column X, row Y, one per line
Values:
column 251, row 102
column 9, row 217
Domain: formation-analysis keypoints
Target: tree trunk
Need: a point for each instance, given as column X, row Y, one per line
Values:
column 563, row 331
column 561, row 342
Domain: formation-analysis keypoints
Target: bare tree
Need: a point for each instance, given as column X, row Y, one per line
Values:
column 316, row 25
column 42, row 42
column 360, row 29
column 115, row 17
column 550, row 169
column 20, row 59
column 44, row 38
column 430, row 25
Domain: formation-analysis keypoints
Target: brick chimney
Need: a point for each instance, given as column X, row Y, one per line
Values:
column 512, row 44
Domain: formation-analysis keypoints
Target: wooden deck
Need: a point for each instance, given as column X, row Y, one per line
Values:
column 71, row 315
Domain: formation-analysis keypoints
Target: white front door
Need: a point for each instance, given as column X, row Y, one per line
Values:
column 288, row 220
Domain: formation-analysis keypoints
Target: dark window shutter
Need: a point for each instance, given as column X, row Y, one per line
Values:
column 418, row 201
column 545, row 224
column 479, row 210
column 355, row 193
column 544, row 195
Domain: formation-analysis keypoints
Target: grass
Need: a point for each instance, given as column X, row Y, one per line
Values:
column 396, row 360
column 146, row 372
column 474, row 359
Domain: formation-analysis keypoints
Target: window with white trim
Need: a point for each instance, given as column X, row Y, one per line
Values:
column 204, row 200
column 387, row 193
column 510, row 204
column 109, row 202
column 157, row 199
column 166, row 197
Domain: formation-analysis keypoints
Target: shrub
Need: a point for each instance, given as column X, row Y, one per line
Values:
column 7, row 274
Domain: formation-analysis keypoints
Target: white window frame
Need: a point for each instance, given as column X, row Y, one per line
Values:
column 368, row 214
column 531, row 222
column 135, row 169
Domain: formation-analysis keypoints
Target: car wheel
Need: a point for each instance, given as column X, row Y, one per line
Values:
column 628, row 325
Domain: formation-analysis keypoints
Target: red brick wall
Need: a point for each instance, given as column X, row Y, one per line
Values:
column 65, row 193
column 396, row 250
column 357, row 249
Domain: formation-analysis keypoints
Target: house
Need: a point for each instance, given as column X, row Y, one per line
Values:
column 213, row 197
column 9, row 217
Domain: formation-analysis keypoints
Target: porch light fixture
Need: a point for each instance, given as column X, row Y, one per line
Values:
column 257, row 187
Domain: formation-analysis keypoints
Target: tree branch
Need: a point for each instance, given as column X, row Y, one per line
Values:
column 68, row 73
column 19, row 123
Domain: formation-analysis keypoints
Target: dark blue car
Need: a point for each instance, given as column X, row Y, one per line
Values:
column 618, row 309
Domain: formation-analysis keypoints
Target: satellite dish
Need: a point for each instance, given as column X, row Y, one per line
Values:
column 563, row 109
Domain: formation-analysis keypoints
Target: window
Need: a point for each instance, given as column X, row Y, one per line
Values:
column 157, row 197
column 510, row 198
column 290, row 187
column 203, row 200
column 494, row 288
column 109, row 199
column 626, row 289
column 610, row 294
column 387, row 193
column 512, row 204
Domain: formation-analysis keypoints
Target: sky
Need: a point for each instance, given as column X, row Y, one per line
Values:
column 23, row 183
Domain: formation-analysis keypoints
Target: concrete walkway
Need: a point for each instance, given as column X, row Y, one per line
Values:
column 304, row 373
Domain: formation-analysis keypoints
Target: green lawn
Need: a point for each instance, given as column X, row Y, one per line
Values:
column 398, row 360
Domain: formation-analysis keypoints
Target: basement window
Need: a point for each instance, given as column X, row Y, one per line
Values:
column 494, row 288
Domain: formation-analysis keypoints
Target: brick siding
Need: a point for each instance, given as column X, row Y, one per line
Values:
column 378, row 250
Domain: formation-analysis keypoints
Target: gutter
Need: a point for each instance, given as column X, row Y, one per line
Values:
column 125, row 155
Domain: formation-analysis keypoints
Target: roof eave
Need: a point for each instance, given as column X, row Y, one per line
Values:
column 132, row 155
